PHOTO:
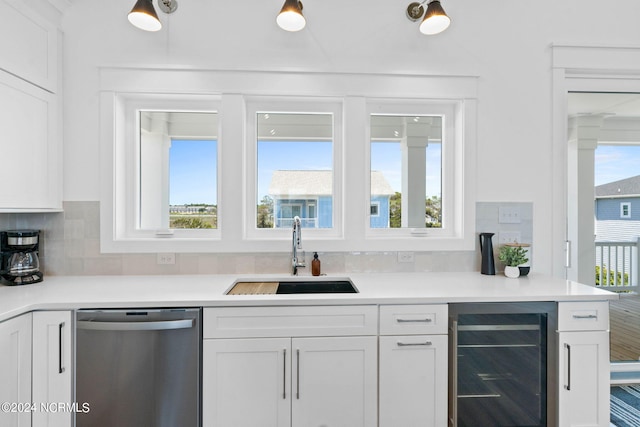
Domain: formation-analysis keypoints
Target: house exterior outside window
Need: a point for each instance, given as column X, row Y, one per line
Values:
column 617, row 210
column 308, row 194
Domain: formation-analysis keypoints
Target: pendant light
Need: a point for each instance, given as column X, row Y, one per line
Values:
column 290, row 17
column 435, row 19
column 144, row 16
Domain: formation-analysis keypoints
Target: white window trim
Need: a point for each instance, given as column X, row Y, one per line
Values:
column 622, row 206
column 120, row 186
column 233, row 88
column 458, row 168
column 301, row 105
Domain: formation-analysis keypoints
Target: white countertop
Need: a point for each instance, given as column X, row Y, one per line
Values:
column 74, row 292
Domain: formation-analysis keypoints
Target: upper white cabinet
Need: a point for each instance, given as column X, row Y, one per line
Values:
column 30, row 147
column 29, row 45
column 29, row 112
column 15, row 371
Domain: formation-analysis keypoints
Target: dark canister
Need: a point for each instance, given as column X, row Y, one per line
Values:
column 487, row 265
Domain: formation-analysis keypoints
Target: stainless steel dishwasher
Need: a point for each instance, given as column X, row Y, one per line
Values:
column 139, row 367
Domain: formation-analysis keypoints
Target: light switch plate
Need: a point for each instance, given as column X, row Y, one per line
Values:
column 509, row 215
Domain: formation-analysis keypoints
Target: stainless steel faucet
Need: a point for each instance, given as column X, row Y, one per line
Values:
column 296, row 244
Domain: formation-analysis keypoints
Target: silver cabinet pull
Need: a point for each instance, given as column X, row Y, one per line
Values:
column 568, row 384
column 585, row 316
column 284, row 373
column 298, row 374
column 427, row 320
column 60, row 367
column 409, row 344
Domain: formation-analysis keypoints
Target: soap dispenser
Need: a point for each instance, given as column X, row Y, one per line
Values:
column 315, row 265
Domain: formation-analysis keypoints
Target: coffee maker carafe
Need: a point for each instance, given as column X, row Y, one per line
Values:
column 20, row 263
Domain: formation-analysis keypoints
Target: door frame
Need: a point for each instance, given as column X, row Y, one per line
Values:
column 580, row 69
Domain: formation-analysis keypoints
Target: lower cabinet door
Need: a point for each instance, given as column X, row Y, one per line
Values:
column 334, row 381
column 584, row 379
column 246, row 382
column 52, row 370
column 15, row 371
column 413, row 381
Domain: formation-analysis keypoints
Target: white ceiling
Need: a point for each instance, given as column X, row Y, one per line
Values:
column 618, row 104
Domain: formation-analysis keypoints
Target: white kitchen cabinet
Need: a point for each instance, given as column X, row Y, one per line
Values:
column 52, row 369
column 283, row 382
column 15, row 371
column 334, row 381
column 31, row 147
column 282, row 378
column 583, row 365
column 413, row 367
column 29, row 110
column 246, row 382
column 29, row 44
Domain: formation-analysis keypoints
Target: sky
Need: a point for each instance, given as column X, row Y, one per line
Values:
column 616, row 162
column 192, row 172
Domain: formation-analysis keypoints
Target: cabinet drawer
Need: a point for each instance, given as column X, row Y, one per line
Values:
column 583, row 316
column 236, row 322
column 413, row 319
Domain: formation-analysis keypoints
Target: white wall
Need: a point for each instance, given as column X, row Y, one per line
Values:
column 504, row 42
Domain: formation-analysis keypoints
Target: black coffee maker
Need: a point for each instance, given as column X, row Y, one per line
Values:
column 19, row 250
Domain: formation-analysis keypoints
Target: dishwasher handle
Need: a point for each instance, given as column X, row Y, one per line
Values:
column 160, row 325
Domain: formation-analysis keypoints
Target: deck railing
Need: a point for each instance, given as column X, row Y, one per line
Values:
column 288, row 222
column 617, row 265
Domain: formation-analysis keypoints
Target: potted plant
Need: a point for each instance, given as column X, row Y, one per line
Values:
column 512, row 257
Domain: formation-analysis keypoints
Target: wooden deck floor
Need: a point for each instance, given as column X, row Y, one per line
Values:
column 625, row 327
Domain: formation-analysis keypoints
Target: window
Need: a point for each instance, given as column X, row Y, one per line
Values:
column 412, row 172
column 320, row 146
column 178, row 170
column 406, row 165
column 294, row 144
column 625, row 210
column 164, row 176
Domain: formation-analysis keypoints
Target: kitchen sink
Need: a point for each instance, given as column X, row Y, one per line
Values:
column 316, row 287
column 293, row 286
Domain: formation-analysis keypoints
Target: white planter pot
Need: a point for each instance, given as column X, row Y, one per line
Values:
column 512, row 272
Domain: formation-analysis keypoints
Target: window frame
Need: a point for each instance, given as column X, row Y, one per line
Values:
column 233, row 91
column 624, row 205
column 303, row 105
column 373, row 204
column 120, row 203
column 450, row 143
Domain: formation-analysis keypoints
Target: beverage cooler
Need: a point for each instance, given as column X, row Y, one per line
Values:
column 502, row 364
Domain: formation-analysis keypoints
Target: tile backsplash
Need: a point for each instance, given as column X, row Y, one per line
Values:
column 70, row 245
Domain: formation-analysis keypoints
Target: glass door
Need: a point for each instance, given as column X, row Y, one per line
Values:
column 500, row 365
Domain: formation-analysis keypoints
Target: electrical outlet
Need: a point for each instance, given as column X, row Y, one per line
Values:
column 509, row 215
column 405, row 256
column 505, row 237
column 166, row 258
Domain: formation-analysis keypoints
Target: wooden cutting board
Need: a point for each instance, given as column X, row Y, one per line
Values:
column 254, row 288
